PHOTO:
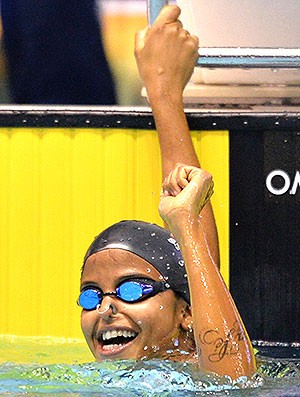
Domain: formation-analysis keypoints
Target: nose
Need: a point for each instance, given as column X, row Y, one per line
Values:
column 107, row 308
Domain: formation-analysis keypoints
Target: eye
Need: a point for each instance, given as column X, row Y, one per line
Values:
column 139, row 280
column 91, row 287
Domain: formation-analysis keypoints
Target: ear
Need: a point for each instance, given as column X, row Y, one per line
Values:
column 186, row 317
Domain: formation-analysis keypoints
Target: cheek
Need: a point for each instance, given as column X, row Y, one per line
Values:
column 168, row 314
column 156, row 314
column 87, row 323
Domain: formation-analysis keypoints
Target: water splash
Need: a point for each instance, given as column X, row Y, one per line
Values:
column 120, row 378
column 276, row 377
column 144, row 378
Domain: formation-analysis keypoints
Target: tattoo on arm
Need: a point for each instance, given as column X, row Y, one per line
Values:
column 222, row 346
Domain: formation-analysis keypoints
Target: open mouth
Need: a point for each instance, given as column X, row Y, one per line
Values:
column 113, row 341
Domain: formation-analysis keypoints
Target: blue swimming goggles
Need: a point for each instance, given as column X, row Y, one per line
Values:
column 129, row 291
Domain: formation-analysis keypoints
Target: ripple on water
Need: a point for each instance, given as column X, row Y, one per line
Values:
column 145, row 378
column 154, row 377
column 159, row 378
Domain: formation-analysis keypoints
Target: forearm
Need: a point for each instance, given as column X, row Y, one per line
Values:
column 177, row 147
column 173, row 132
column 222, row 341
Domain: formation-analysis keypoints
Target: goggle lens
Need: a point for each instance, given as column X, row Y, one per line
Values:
column 89, row 299
column 128, row 291
column 132, row 291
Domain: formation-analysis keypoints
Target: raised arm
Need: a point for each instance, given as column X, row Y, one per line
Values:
column 166, row 56
column 222, row 342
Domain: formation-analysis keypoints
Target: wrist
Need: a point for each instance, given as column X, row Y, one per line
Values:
column 167, row 97
column 184, row 226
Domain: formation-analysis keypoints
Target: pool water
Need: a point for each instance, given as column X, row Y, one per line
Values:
column 29, row 367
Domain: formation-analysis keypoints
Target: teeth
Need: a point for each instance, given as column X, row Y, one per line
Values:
column 111, row 347
column 115, row 333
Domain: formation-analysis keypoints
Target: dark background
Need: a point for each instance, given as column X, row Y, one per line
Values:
column 265, row 233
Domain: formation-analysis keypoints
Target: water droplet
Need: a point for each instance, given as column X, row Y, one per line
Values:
column 167, row 285
column 87, row 121
column 161, row 307
column 152, row 234
column 146, row 348
column 181, row 263
column 161, row 257
column 148, row 270
column 236, row 223
column 176, row 342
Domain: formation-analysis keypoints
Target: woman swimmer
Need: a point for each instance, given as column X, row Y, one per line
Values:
column 136, row 299
column 139, row 298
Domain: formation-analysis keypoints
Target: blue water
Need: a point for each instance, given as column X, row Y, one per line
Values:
column 278, row 374
column 144, row 378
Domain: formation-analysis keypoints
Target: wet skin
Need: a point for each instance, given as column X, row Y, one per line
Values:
column 136, row 330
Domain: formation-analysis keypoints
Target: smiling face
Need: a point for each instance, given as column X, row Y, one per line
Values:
column 121, row 330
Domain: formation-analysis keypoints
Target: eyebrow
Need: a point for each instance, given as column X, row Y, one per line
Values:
column 136, row 276
column 91, row 284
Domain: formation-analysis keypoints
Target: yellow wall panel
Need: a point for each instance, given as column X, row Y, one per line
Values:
column 213, row 151
column 61, row 187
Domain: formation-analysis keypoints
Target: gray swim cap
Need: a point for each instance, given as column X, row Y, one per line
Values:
column 152, row 243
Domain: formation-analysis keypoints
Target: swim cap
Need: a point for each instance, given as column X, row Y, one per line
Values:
column 152, row 243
